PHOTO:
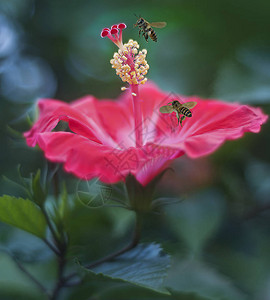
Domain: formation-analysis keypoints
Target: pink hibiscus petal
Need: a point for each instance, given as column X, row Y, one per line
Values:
column 51, row 112
column 108, row 114
column 202, row 135
column 84, row 158
column 102, row 141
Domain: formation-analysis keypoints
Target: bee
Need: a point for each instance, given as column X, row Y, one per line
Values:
column 180, row 109
column 147, row 30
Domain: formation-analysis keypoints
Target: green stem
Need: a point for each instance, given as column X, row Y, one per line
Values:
column 53, row 232
column 61, row 280
column 60, row 251
column 51, row 247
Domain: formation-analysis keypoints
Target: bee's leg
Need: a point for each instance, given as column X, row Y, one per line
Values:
column 140, row 31
column 182, row 119
column 178, row 117
column 146, row 37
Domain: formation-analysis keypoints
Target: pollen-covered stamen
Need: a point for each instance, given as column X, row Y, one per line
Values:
column 130, row 64
column 114, row 33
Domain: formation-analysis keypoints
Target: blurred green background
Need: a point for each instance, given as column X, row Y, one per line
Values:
column 219, row 235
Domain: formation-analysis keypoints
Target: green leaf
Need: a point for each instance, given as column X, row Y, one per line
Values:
column 39, row 195
column 22, row 213
column 124, row 291
column 65, row 206
column 109, row 290
column 145, row 266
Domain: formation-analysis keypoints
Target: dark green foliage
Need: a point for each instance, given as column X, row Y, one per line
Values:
column 145, row 265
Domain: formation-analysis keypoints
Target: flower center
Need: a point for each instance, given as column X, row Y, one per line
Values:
column 130, row 64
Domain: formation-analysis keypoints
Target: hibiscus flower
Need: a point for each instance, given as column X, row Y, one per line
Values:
column 110, row 139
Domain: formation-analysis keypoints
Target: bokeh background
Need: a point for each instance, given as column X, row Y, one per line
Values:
column 218, row 235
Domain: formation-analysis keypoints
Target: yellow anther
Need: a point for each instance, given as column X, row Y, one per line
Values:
column 130, row 64
column 134, row 80
column 143, row 81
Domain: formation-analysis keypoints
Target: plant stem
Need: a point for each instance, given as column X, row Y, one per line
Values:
column 55, row 237
column 61, row 280
column 59, row 249
column 51, row 246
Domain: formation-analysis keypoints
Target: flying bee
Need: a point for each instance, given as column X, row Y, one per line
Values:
column 147, row 30
column 180, row 109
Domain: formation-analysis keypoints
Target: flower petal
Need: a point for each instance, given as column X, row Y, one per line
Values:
column 53, row 111
column 102, row 141
column 158, row 158
column 117, row 122
column 212, row 123
column 86, row 159
column 151, row 99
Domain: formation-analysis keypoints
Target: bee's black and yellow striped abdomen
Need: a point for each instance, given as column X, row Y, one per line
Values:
column 185, row 111
column 153, row 35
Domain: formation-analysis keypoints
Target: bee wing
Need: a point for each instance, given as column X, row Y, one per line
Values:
column 167, row 109
column 189, row 105
column 158, row 24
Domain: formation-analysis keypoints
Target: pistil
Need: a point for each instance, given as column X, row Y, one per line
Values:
column 131, row 66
